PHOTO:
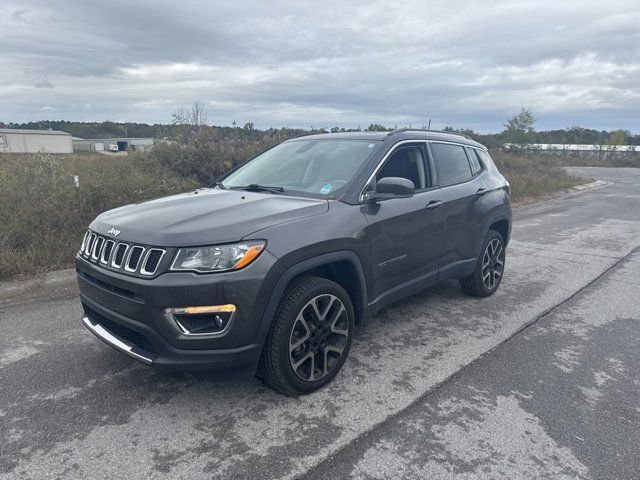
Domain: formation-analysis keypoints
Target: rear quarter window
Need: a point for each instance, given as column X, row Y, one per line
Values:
column 474, row 161
column 451, row 163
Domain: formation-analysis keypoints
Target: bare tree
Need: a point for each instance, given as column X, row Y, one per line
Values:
column 190, row 119
column 199, row 115
column 195, row 115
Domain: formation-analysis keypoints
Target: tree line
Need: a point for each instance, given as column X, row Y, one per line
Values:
column 520, row 129
column 189, row 122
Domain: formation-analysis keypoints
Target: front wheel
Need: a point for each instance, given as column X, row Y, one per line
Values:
column 310, row 337
column 487, row 275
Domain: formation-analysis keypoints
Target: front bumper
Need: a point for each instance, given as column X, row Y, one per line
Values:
column 127, row 314
column 118, row 342
column 145, row 345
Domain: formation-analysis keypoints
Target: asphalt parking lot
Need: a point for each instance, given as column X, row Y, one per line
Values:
column 538, row 381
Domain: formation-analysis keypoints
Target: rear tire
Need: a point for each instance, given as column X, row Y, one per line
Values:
column 310, row 337
column 487, row 275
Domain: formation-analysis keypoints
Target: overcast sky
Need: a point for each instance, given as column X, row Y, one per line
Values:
column 323, row 63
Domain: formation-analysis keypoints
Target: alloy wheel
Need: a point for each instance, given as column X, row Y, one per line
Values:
column 318, row 337
column 492, row 264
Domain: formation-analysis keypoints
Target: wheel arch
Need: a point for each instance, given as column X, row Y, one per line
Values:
column 343, row 267
column 500, row 223
column 503, row 227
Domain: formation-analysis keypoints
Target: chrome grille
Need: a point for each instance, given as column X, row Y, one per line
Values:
column 118, row 258
column 132, row 259
column 97, row 248
column 106, row 251
column 84, row 240
column 89, row 244
column 151, row 261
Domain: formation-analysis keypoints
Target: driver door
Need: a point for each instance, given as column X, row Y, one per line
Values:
column 405, row 234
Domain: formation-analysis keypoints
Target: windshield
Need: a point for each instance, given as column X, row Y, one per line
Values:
column 316, row 167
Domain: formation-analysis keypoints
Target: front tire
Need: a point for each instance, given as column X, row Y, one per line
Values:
column 487, row 275
column 310, row 337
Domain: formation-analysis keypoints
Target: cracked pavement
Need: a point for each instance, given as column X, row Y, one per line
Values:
column 539, row 380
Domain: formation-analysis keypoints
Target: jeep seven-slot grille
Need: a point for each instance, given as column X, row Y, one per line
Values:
column 122, row 256
column 154, row 255
column 118, row 260
column 97, row 248
column 135, row 254
column 106, row 251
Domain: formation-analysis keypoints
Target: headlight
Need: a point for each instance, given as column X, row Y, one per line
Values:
column 217, row 258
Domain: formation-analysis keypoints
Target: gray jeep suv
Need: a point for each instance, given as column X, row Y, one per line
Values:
column 267, row 270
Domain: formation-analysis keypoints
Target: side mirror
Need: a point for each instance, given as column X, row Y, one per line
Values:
column 390, row 187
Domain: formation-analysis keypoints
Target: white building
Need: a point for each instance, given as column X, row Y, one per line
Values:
column 125, row 144
column 14, row 140
column 567, row 147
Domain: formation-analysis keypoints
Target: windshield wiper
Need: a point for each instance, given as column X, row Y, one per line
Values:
column 254, row 187
column 218, row 184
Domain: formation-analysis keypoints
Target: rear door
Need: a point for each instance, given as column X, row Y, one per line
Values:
column 462, row 188
column 405, row 234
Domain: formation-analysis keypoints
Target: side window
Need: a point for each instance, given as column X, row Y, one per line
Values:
column 486, row 159
column 451, row 162
column 476, row 166
column 406, row 162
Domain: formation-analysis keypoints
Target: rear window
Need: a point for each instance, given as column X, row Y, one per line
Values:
column 451, row 162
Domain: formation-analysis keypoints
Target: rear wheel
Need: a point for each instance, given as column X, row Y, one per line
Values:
column 487, row 275
column 310, row 337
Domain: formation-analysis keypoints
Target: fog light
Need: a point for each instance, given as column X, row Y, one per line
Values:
column 209, row 320
column 197, row 310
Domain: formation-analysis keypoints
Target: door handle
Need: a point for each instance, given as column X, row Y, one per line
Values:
column 433, row 204
column 482, row 191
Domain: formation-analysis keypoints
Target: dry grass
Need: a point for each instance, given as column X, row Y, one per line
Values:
column 43, row 218
column 533, row 177
column 618, row 159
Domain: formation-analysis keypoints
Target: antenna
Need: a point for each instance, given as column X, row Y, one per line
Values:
column 429, row 126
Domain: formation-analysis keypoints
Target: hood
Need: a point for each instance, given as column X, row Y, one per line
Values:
column 204, row 217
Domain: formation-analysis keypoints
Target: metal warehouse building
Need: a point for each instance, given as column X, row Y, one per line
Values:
column 125, row 144
column 13, row 140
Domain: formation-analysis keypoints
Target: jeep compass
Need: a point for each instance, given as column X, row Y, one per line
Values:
column 267, row 270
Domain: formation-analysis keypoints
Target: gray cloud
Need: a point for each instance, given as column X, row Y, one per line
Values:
column 294, row 63
column 43, row 84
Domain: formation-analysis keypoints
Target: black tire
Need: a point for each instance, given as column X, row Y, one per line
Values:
column 477, row 283
column 305, row 298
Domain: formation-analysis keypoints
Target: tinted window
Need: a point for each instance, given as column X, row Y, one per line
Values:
column 486, row 159
column 451, row 161
column 476, row 166
column 407, row 162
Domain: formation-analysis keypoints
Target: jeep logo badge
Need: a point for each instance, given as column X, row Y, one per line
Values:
column 114, row 232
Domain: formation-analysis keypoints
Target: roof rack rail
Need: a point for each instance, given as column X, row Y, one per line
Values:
column 406, row 129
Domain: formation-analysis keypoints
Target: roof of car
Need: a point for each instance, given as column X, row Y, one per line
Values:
column 401, row 134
